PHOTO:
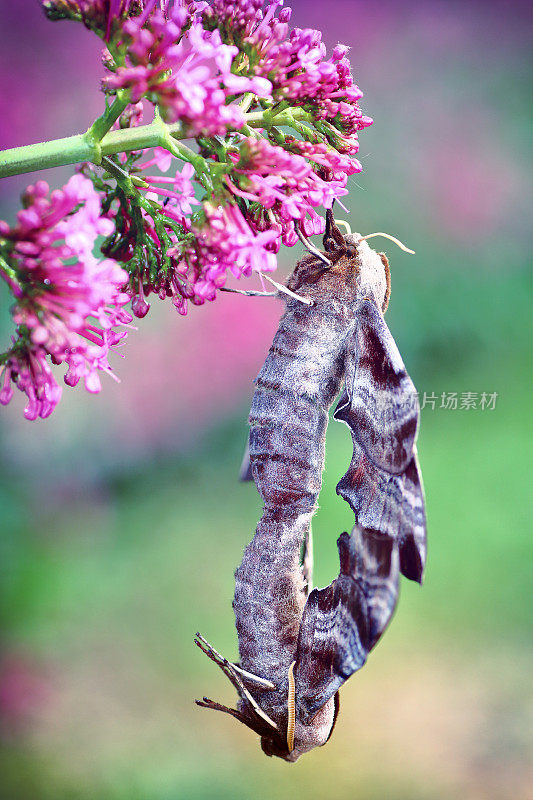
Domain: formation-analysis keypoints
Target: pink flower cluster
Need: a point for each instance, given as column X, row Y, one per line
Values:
column 296, row 64
column 283, row 186
column 28, row 368
column 99, row 15
column 226, row 242
column 68, row 303
column 287, row 184
column 211, row 67
column 246, row 20
column 185, row 70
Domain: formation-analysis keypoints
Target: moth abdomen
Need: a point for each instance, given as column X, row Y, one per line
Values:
column 286, row 447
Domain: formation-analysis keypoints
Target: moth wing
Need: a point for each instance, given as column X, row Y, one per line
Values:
column 380, row 406
column 341, row 623
column 379, row 402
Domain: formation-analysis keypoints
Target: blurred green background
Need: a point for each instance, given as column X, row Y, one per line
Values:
column 121, row 518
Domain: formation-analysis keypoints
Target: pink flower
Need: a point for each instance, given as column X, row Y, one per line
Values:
column 186, row 71
column 178, row 191
column 68, row 303
column 295, row 62
column 161, row 158
column 335, row 164
column 65, row 223
column 287, row 184
column 28, row 368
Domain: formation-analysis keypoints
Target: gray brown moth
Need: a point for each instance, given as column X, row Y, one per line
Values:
column 298, row 646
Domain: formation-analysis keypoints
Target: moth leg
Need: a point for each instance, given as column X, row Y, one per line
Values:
column 230, row 672
column 248, row 292
column 257, row 708
column 226, row 667
column 207, row 703
column 307, row 560
column 245, row 473
column 311, row 248
column 255, row 725
column 281, row 288
column 261, row 682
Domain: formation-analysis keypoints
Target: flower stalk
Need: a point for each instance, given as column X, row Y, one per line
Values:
column 84, row 147
column 103, row 124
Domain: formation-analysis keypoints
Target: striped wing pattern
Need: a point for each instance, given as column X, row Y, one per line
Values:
column 343, row 622
column 380, row 406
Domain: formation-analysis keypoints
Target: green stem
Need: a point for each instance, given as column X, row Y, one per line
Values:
column 9, row 275
column 247, row 101
column 84, row 146
column 103, row 124
column 57, row 153
column 124, row 180
column 264, row 119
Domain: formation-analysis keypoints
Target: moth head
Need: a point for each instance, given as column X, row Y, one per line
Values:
column 302, row 733
column 313, row 733
column 274, row 741
column 354, row 260
column 287, row 738
column 347, row 265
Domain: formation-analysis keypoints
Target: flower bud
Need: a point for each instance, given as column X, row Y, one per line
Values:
column 140, row 307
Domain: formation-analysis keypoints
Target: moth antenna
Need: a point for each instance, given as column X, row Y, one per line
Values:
column 345, row 225
column 248, row 292
column 385, row 262
column 392, row 238
column 254, row 678
column 281, row 288
column 311, row 248
column 291, row 708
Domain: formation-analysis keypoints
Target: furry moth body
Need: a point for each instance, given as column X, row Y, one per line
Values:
column 341, row 341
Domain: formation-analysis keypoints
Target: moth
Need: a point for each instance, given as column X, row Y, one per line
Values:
column 298, row 645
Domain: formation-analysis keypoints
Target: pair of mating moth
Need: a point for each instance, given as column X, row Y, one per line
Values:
column 297, row 647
